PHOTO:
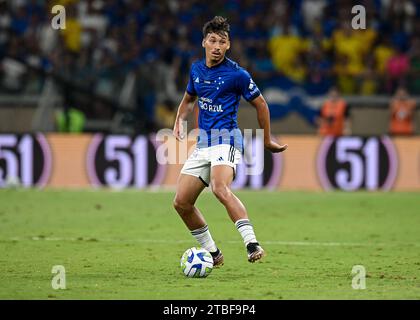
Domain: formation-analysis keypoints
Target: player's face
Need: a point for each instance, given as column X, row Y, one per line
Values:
column 216, row 46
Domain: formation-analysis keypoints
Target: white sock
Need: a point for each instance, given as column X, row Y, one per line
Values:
column 204, row 238
column 246, row 230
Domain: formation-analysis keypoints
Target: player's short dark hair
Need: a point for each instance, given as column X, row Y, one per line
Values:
column 217, row 25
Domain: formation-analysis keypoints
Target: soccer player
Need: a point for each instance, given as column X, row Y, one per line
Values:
column 218, row 83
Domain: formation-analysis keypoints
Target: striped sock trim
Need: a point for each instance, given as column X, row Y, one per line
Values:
column 246, row 230
column 204, row 238
column 243, row 222
column 197, row 232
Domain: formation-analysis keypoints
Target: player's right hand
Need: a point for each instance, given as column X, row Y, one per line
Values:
column 178, row 131
column 274, row 147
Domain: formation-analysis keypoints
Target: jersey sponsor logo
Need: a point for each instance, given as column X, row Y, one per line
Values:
column 204, row 99
column 210, row 107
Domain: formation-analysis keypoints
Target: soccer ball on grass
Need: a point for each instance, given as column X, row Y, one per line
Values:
column 196, row 263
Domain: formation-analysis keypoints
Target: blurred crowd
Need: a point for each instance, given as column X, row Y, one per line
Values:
column 309, row 42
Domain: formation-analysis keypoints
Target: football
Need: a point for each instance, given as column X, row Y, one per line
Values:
column 196, row 263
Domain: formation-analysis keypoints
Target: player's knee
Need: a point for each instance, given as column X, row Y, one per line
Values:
column 178, row 205
column 181, row 205
column 222, row 192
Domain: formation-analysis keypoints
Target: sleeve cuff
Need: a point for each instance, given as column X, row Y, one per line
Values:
column 191, row 93
column 253, row 97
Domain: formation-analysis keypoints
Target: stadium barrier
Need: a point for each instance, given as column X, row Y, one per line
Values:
column 119, row 161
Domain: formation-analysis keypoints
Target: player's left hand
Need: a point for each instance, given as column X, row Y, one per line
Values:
column 274, row 147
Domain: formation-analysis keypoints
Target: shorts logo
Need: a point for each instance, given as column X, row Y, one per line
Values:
column 220, row 159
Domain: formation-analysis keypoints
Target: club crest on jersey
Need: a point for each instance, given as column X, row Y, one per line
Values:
column 197, row 80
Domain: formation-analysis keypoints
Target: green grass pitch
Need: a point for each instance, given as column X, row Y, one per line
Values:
column 128, row 244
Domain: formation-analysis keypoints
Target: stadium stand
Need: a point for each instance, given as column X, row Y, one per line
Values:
column 124, row 64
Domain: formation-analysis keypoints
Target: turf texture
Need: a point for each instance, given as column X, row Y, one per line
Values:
column 128, row 244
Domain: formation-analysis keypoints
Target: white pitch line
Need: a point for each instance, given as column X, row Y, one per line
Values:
column 328, row 244
column 267, row 242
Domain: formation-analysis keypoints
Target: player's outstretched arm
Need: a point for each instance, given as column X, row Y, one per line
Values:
column 263, row 114
column 185, row 108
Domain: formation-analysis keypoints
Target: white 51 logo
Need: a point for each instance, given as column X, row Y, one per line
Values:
column 25, row 160
column 353, row 163
column 120, row 161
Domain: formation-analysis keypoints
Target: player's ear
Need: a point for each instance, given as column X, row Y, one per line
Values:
column 204, row 40
column 228, row 45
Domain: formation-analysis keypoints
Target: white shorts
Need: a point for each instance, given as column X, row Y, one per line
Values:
column 202, row 160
